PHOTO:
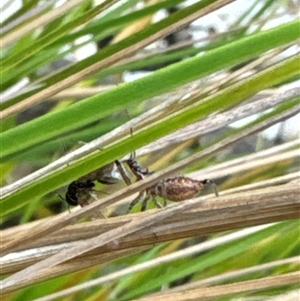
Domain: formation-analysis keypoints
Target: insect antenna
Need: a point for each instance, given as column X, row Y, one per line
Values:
column 63, row 199
column 215, row 188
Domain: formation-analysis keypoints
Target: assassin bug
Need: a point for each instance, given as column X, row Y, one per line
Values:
column 175, row 189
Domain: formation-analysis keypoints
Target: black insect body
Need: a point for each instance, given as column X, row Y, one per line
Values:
column 175, row 189
column 78, row 192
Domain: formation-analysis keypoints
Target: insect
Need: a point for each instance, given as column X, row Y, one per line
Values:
column 78, row 192
column 136, row 168
column 108, row 174
column 139, row 172
column 175, row 189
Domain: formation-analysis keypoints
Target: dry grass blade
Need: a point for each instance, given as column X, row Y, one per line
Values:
column 127, row 52
column 289, row 296
column 204, row 246
column 59, row 222
column 229, row 289
column 200, row 128
column 42, row 20
column 218, row 121
column 267, row 183
column 208, row 208
column 186, row 219
column 230, row 168
column 245, row 163
column 235, row 274
column 82, row 230
column 265, row 154
column 23, row 278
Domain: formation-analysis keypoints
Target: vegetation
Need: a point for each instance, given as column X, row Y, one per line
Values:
column 65, row 116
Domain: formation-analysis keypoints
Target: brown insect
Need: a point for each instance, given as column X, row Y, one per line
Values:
column 175, row 189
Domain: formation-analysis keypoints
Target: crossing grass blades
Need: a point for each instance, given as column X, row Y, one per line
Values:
column 176, row 189
column 79, row 192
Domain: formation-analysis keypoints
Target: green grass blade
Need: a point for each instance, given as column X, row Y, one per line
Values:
column 164, row 80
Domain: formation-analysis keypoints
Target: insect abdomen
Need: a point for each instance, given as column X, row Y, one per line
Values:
column 180, row 188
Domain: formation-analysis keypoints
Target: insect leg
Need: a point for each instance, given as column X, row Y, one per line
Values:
column 157, row 204
column 145, row 201
column 135, row 201
column 160, row 190
column 65, row 201
column 215, row 188
column 164, row 192
column 123, row 173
